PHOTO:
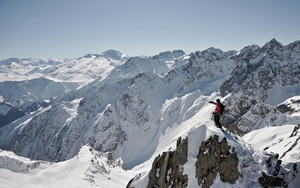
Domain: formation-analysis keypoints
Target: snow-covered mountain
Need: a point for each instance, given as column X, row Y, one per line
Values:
column 206, row 71
column 9, row 113
column 139, row 109
column 263, row 78
column 31, row 83
column 105, row 113
column 89, row 167
column 82, row 70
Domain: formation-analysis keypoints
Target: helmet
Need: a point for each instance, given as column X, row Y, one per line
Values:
column 218, row 100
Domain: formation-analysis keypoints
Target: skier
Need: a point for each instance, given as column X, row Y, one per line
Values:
column 217, row 112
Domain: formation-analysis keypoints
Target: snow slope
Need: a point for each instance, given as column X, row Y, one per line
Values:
column 88, row 168
column 196, row 128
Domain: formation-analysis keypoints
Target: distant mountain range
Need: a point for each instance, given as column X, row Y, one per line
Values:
column 139, row 108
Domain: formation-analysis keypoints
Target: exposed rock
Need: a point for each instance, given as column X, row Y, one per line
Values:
column 100, row 165
column 289, row 106
column 214, row 157
column 276, row 175
column 290, row 175
column 285, row 109
column 258, row 71
column 295, row 131
column 236, row 109
column 291, row 148
column 208, row 64
column 270, row 181
column 167, row 168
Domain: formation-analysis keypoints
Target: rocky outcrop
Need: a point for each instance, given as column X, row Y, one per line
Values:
column 289, row 106
column 167, row 170
column 215, row 158
column 277, row 175
column 292, row 147
column 295, row 131
column 100, row 164
column 270, row 181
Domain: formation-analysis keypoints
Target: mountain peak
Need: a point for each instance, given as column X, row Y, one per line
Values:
column 295, row 46
column 169, row 55
column 113, row 54
column 88, row 56
column 217, row 51
column 274, row 41
column 250, row 47
column 272, row 44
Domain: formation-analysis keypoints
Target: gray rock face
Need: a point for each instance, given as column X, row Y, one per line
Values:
column 245, row 113
column 258, row 71
column 215, row 157
column 208, row 64
column 167, row 168
column 270, row 181
column 259, row 68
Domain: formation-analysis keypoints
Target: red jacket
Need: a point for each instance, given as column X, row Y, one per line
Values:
column 218, row 108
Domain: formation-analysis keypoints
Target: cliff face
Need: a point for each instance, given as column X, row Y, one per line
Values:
column 255, row 86
column 167, row 168
column 215, row 157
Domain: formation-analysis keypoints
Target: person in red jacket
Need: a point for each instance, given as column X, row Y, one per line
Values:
column 217, row 112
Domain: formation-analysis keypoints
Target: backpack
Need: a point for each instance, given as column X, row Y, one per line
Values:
column 222, row 109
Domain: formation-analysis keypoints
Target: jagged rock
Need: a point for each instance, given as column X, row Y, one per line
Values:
column 229, row 171
column 290, row 176
column 289, row 106
column 167, row 168
column 276, row 174
column 270, row 181
column 295, row 131
column 259, row 70
column 214, row 157
column 285, row 109
column 274, row 164
column 236, row 109
column 169, row 55
column 291, row 148
column 211, row 63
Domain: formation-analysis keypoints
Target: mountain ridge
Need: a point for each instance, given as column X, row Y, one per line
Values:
column 139, row 114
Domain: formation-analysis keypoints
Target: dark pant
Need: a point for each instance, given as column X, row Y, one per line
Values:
column 217, row 121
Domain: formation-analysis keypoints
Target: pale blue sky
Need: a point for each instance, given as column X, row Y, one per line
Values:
column 73, row 28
